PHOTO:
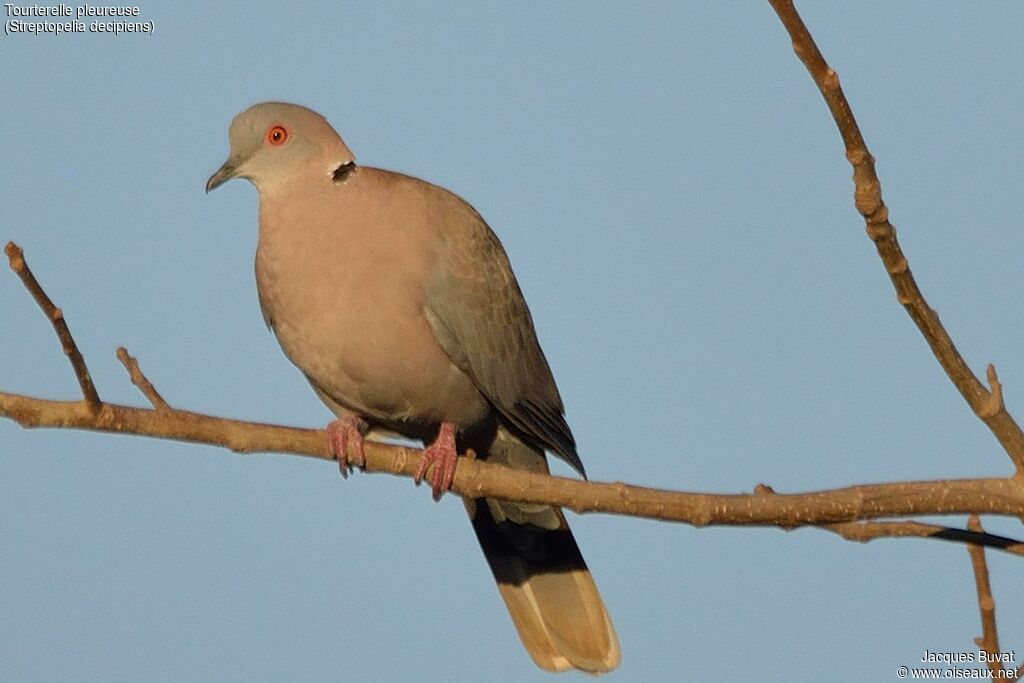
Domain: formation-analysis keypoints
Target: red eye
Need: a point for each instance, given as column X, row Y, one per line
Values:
column 276, row 135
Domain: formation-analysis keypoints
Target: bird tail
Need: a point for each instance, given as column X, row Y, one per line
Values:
column 541, row 574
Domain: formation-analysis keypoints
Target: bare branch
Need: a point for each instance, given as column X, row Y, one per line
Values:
column 868, row 199
column 139, row 380
column 16, row 258
column 475, row 478
column 869, row 531
column 989, row 640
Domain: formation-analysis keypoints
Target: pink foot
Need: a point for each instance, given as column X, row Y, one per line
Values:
column 339, row 434
column 443, row 456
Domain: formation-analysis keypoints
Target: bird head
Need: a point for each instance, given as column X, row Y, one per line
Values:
column 274, row 141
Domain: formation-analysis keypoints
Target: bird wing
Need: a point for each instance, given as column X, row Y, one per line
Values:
column 479, row 316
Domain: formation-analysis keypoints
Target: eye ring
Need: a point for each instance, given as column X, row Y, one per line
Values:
column 277, row 135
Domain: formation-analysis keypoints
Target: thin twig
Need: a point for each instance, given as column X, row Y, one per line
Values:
column 140, row 380
column 868, row 199
column 989, row 640
column 16, row 259
column 868, row 531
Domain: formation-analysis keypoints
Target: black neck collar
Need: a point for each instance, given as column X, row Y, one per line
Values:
column 343, row 171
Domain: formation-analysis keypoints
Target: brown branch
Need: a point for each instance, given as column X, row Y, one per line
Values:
column 140, row 380
column 987, row 405
column 835, row 509
column 989, row 640
column 474, row 478
column 16, row 259
column 863, row 532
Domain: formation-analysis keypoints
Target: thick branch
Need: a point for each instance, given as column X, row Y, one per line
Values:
column 987, row 405
column 1004, row 496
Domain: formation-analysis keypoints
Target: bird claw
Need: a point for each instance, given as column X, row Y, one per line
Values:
column 339, row 433
column 444, row 457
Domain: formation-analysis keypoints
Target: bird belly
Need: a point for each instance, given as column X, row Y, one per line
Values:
column 356, row 329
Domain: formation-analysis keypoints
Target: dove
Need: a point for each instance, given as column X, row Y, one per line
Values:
column 399, row 305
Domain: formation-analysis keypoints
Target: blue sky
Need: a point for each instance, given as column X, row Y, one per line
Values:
column 675, row 201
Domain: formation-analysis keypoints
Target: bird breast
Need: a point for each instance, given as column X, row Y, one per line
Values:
column 341, row 280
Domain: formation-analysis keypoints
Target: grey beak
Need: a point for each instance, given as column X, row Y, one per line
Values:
column 223, row 174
